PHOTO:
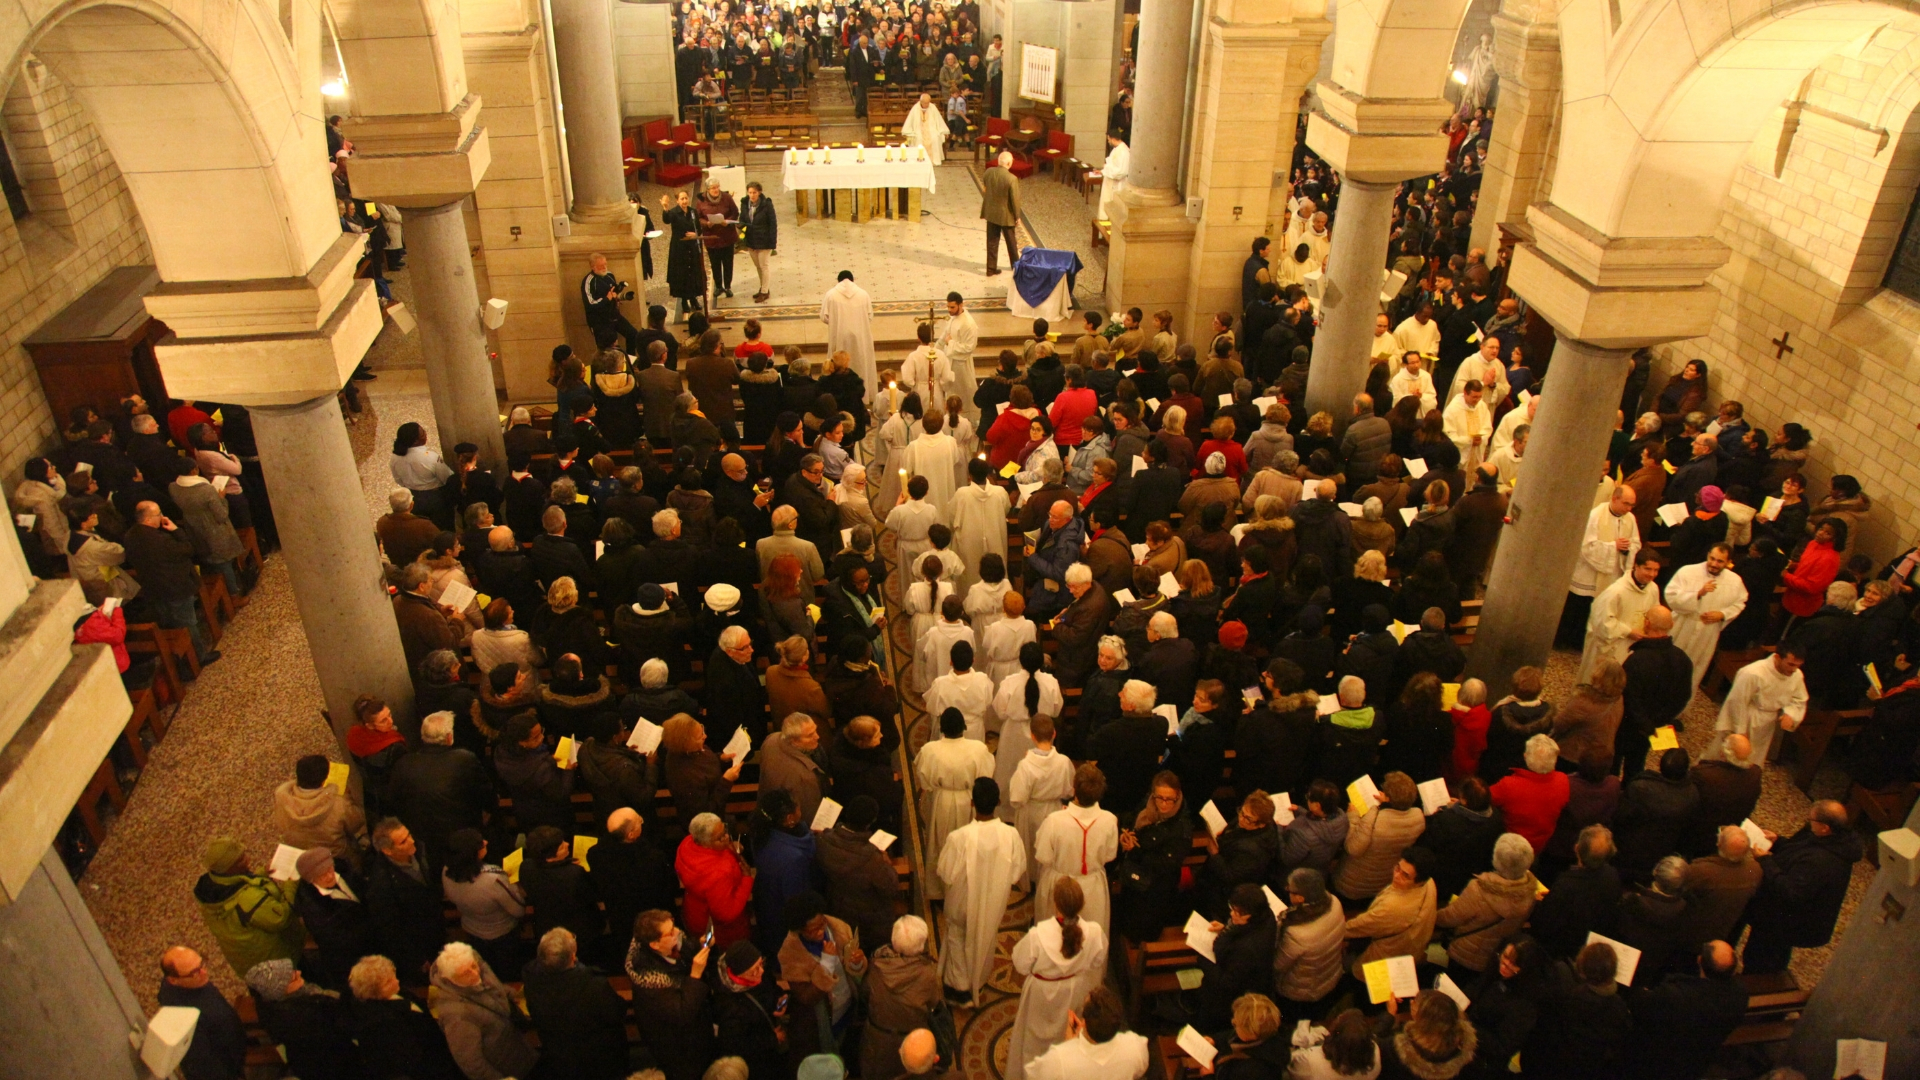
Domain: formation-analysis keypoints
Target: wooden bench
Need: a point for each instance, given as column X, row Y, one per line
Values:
column 1811, row 739
column 1774, row 1003
column 170, row 648
column 1154, row 967
column 146, row 718
column 104, row 783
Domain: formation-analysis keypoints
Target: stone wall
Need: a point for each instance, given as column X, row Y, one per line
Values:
column 1812, row 217
column 83, row 224
column 643, row 50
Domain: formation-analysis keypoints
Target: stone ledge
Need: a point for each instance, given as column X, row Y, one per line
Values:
column 49, row 761
column 279, row 369
column 1380, row 141
column 296, row 305
column 425, row 178
column 413, row 133
column 33, row 643
column 1625, row 262
column 1609, row 318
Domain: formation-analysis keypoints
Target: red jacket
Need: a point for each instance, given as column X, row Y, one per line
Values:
column 1469, row 740
column 718, row 888
column 1531, row 803
column 1808, row 580
column 1070, row 407
column 1007, row 435
column 107, row 630
column 1227, row 448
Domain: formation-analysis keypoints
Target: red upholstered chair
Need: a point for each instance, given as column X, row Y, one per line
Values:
column 1059, row 148
column 676, row 174
column 637, row 162
column 993, row 139
column 688, row 138
column 1021, row 167
column 657, row 138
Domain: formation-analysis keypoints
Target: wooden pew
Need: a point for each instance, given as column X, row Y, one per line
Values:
column 1811, row 739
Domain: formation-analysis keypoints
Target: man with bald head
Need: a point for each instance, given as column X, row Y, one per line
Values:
column 737, row 495
column 1718, row 888
column 629, row 871
column 1659, row 686
column 506, row 573
column 1729, row 787
column 1321, row 528
column 1607, row 549
column 925, row 127
column 1680, row 1024
column 919, row 1053
column 1804, row 878
column 219, row 1047
column 1058, row 547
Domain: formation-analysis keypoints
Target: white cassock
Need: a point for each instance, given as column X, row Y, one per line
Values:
column 977, row 515
column 922, row 604
column 909, row 523
column 848, row 312
column 1463, row 423
column 934, row 457
column 1508, row 464
column 958, row 340
column 1041, row 785
column 1113, row 180
column 945, row 771
column 1755, row 705
column 1503, row 435
column 1601, row 563
column 1318, row 241
column 1078, row 842
column 1700, row 640
column 1010, row 705
column 926, row 372
column 1123, row 1057
column 1055, row 985
column 986, row 604
column 926, row 127
column 1404, row 385
column 1413, row 337
column 1473, row 367
column 1619, row 610
column 933, row 652
column 1000, row 646
column 1386, row 347
column 978, row 866
column 971, row 693
column 890, row 447
column 1289, row 271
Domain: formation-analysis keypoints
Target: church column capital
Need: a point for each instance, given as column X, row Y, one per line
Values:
column 419, row 160
column 1376, row 140
column 1616, row 292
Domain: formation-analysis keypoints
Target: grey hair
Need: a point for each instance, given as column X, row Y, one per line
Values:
column 1308, row 882
column 1137, row 696
column 563, row 490
column 1651, row 419
column 1696, row 419
column 412, row 576
column 726, row 1068
column 1472, row 692
column 1118, row 645
column 437, row 728
column 734, row 637
column 1670, row 874
column 1164, row 624
column 664, row 522
column 1541, row 753
column 653, row 674
column 1051, row 470
column 684, row 402
column 557, row 949
column 1079, row 574
column 1352, row 691
column 1842, row 594
column 785, row 516
column 145, row 424
column 1005, row 159
column 1242, row 388
column 794, row 724
column 1512, row 856
column 438, row 666
column 808, row 461
column 1371, row 510
column 707, row 829
column 454, row 956
column 1286, row 461
column 400, row 499
column 1216, row 464
column 909, row 935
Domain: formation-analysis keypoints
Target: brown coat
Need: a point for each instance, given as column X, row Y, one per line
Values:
column 782, row 766
column 1110, row 558
column 424, row 628
column 1728, row 794
column 1492, row 909
column 801, row 971
column 1717, row 890
column 1000, row 198
column 1585, row 725
column 711, row 379
column 1210, row 489
column 1374, row 536
column 1078, row 631
column 900, row 990
column 1477, row 518
column 1399, row 922
column 1648, row 482
column 1374, row 843
column 405, row 536
column 791, row 690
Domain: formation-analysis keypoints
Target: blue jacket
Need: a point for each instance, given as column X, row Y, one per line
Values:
column 783, row 868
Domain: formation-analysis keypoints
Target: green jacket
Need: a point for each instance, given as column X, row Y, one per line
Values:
column 1359, row 719
column 252, row 918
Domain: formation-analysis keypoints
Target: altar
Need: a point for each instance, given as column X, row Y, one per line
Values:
column 851, row 183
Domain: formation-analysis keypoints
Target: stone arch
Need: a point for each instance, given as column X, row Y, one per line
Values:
column 1395, row 49
column 203, row 117
column 402, row 56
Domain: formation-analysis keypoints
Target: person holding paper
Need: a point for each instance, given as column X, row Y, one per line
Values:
column 1803, row 883
column 309, row 813
column 1128, row 750
column 1606, row 551
column 1377, row 839
column 977, row 867
column 1585, row 1032
column 1346, row 1049
column 1468, row 421
column 1433, row 1041
column 977, row 514
column 1246, row 852
column 1729, row 788
column 1243, row 952
column 1680, row 1024
column 1618, row 616
column 1399, row 921
column 541, row 788
column 1076, row 843
column 1766, row 695
column 944, row 772
column 1063, row 958
column 558, row 890
column 1493, row 907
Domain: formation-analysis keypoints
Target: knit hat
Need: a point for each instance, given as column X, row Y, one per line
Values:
column 222, row 854
column 314, row 862
column 1233, row 634
column 270, row 978
column 822, row 1067
column 740, row 956
column 653, row 600
column 722, row 598
column 1711, row 498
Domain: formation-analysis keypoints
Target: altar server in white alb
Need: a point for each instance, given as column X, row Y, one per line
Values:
column 1063, row 958
column 926, row 127
column 1078, row 843
column 1113, row 175
column 848, row 312
column 1619, row 614
column 965, row 688
column 978, row 866
column 1767, row 695
column 1705, row 597
column 944, row 771
column 958, row 340
column 1041, row 785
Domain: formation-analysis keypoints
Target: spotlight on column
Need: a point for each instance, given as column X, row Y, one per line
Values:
column 494, row 313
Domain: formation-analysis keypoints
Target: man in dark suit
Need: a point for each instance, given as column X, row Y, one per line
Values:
column 555, row 556
column 1000, row 207
column 863, row 61
column 403, row 899
column 1680, row 1024
column 1152, row 494
column 1128, row 750
column 1804, row 881
column 506, row 573
column 581, row 1020
column 161, row 557
column 819, row 518
column 1078, row 630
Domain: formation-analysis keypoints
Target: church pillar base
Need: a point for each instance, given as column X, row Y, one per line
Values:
column 1147, row 264
column 618, row 238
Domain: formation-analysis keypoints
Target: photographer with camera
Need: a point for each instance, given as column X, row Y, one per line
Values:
column 602, row 293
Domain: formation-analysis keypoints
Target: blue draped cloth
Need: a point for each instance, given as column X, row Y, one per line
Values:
column 1040, row 269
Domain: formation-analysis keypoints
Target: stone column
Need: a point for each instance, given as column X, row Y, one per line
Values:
column 459, row 376
column 332, row 557
column 590, row 90
column 73, row 1008
column 1350, row 298
column 1159, row 100
column 1548, row 513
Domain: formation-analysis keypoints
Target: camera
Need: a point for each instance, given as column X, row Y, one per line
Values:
column 625, row 289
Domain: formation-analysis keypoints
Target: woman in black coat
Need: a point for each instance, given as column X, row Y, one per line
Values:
column 686, row 262
column 1419, row 733
column 1242, row 957
column 1152, row 849
column 1246, row 852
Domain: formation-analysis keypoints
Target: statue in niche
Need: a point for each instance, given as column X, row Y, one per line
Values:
column 1480, row 74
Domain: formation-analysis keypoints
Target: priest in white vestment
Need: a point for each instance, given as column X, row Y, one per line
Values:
column 1485, row 368
column 1078, row 843
column 1609, row 544
column 1469, row 424
column 1619, row 615
column 1113, row 176
column 936, row 456
column 965, row 688
column 1503, row 435
column 1417, row 334
column 944, row 771
column 1041, row 785
column 1385, row 348
column 1705, row 597
column 1056, row 983
column 1413, row 379
column 977, row 868
column 1767, row 695
column 977, row 514
column 958, row 340
column 926, row 127
column 848, row 312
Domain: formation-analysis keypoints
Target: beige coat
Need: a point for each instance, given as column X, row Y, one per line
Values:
column 1400, row 922
column 1374, row 843
column 1000, row 198
column 318, row 818
column 98, row 567
column 1312, row 956
column 799, row 968
column 1491, row 910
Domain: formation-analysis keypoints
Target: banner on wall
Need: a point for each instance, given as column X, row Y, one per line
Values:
column 1039, row 72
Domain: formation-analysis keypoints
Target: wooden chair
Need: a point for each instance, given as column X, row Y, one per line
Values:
column 146, row 717
column 252, row 559
column 217, row 602
column 170, row 648
column 1811, row 739
column 103, row 783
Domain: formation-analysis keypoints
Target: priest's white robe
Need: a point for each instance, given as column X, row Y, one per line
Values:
column 1503, row 434
column 977, row 514
column 1010, row 706
column 934, row 457
column 922, row 605
column 1760, row 703
column 1621, row 609
column 958, row 340
column 971, row 693
column 1404, row 384
column 848, row 312
column 1463, row 423
column 1041, row 785
column 977, row 866
column 1078, row 842
column 1601, row 562
column 1415, row 337
column 927, row 372
column 1055, row 985
column 1700, row 640
column 1113, row 180
column 945, row 771
column 1385, row 348
column 1475, row 368
column 926, row 127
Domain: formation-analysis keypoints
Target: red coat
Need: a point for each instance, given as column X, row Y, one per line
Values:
column 1531, row 803
column 1070, row 407
column 1227, row 448
column 1469, row 740
column 718, row 888
column 1808, row 580
column 111, row 630
column 1007, row 436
